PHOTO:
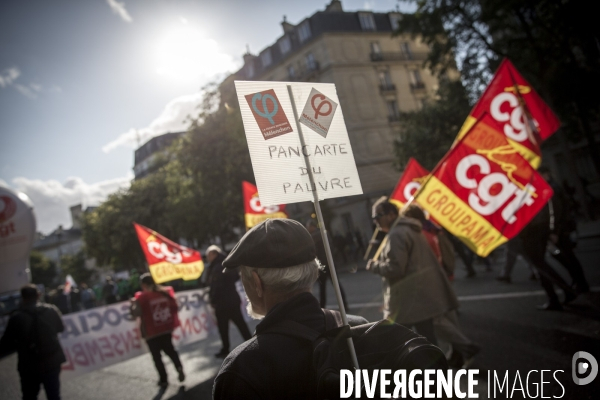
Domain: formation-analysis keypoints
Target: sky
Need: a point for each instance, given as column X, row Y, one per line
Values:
column 83, row 83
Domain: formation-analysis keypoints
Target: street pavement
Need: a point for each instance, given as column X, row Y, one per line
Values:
column 501, row 317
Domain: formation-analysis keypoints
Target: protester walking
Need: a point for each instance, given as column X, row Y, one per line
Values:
column 109, row 291
column 88, row 298
column 156, row 306
column 446, row 326
column 340, row 245
column 561, row 236
column 415, row 289
column 465, row 254
column 514, row 248
column 324, row 273
column 62, row 300
column 535, row 237
column 224, row 298
column 32, row 331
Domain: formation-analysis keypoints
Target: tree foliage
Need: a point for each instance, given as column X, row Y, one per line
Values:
column 74, row 265
column 427, row 134
column 554, row 44
column 43, row 270
column 195, row 195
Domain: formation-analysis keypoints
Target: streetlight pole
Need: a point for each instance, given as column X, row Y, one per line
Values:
column 59, row 233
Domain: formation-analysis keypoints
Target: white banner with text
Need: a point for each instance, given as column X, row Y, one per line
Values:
column 103, row 336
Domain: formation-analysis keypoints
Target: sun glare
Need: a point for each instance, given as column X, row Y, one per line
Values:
column 186, row 54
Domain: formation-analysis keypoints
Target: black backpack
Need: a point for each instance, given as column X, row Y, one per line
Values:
column 379, row 345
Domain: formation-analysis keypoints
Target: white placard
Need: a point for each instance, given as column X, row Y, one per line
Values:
column 275, row 149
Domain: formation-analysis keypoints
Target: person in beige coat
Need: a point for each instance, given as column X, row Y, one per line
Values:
column 415, row 288
column 447, row 327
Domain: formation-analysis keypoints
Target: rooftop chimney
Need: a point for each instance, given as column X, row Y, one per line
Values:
column 247, row 56
column 287, row 27
column 335, row 5
column 76, row 212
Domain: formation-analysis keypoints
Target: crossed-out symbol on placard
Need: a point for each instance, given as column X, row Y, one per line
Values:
column 321, row 104
column 265, row 113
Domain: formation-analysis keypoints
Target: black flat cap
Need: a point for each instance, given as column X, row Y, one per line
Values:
column 274, row 243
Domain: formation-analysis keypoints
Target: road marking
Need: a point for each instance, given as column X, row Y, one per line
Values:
column 501, row 295
column 476, row 297
column 464, row 298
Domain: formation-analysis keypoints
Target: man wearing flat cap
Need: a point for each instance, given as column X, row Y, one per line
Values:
column 278, row 269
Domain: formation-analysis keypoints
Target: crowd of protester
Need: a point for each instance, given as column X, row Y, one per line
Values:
column 279, row 261
column 72, row 298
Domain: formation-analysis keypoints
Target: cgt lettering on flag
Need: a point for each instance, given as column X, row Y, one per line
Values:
column 254, row 211
column 523, row 117
column 483, row 191
column 166, row 259
column 411, row 180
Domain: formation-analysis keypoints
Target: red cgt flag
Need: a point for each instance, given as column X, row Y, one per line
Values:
column 168, row 260
column 254, row 212
column 503, row 100
column 483, row 191
column 411, row 180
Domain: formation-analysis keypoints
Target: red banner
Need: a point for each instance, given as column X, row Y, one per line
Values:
column 483, row 191
column 168, row 260
column 254, row 212
column 411, row 180
column 503, row 100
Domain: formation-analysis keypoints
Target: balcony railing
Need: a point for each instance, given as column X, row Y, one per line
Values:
column 417, row 86
column 397, row 56
column 305, row 73
column 387, row 88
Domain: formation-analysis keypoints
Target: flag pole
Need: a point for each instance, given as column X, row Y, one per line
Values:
column 433, row 171
column 532, row 131
column 336, row 284
column 375, row 233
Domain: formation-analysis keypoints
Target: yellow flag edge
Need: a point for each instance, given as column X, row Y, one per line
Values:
column 460, row 219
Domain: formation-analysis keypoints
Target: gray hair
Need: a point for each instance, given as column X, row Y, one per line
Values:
column 285, row 280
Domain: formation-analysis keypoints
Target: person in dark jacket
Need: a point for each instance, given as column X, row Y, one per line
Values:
column 324, row 273
column 278, row 269
column 224, row 298
column 535, row 238
column 564, row 225
column 108, row 291
column 62, row 300
column 465, row 255
column 33, row 331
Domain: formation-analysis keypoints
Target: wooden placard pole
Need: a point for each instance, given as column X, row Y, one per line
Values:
column 336, row 284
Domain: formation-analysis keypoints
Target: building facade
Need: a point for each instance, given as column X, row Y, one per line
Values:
column 147, row 158
column 377, row 75
column 64, row 241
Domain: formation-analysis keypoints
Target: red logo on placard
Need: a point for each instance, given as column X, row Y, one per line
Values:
column 8, row 208
column 268, row 114
column 324, row 102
